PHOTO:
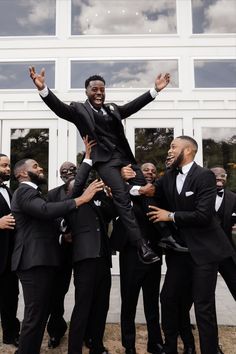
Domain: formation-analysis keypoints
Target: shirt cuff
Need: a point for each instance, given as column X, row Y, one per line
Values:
column 153, row 92
column 43, row 92
column 135, row 191
column 88, row 161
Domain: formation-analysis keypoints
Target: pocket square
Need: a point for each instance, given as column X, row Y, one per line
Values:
column 97, row 202
column 189, row 193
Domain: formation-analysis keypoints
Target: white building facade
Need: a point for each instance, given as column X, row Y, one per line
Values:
column 129, row 43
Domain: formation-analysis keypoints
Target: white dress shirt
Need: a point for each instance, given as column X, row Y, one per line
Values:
column 180, row 178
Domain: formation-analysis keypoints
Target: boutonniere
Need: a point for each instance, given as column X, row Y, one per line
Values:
column 97, row 202
column 111, row 108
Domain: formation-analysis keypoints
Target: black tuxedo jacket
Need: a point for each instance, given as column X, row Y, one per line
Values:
column 6, row 236
column 195, row 215
column 81, row 114
column 89, row 222
column 36, row 241
column 229, row 209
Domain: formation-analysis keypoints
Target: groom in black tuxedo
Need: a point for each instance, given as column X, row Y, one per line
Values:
column 187, row 195
column 103, row 123
column 9, row 290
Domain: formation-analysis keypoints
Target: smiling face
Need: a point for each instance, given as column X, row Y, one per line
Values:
column 149, row 172
column 221, row 177
column 182, row 151
column 35, row 172
column 96, row 93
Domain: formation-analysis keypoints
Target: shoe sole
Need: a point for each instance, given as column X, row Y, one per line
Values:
column 164, row 245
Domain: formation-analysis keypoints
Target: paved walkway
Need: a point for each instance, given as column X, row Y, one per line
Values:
column 225, row 304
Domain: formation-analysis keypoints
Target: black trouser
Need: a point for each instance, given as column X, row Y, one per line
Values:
column 111, row 175
column 9, row 292
column 57, row 326
column 135, row 276
column 180, row 268
column 185, row 304
column 227, row 269
column 92, row 280
column 37, row 284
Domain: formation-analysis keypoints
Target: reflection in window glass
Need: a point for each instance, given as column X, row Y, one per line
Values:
column 30, row 143
column 27, row 18
column 215, row 73
column 124, row 73
column 15, row 75
column 99, row 17
column 152, row 144
column 219, row 149
column 214, row 16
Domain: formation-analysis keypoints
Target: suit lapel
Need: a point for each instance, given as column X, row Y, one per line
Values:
column 91, row 121
column 188, row 179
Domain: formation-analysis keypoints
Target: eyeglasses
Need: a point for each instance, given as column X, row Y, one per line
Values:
column 66, row 170
column 222, row 175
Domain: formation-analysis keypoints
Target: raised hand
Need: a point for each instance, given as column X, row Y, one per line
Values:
column 162, row 81
column 38, row 79
column 89, row 192
column 88, row 146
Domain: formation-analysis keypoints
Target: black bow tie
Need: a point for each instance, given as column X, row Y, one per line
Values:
column 3, row 186
column 179, row 170
column 220, row 193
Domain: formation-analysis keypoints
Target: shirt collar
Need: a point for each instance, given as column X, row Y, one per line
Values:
column 31, row 184
column 186, row 168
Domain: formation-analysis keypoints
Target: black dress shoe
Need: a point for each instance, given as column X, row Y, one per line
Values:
column 130, row 351
column 157, row 349
column 189, row 350
column 53, row 342
column 13, row 341
column 170, row 243
column 146, row 254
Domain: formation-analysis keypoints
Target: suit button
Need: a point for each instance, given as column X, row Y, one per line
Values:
column 98, row 229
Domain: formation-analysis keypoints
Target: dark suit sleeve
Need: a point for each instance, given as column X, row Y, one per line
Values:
column 203, row 203
column 30, row 201
column 61, row 109
column 135, row 105
column 80, row 179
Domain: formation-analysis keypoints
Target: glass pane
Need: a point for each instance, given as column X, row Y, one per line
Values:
column 219, row 149
column 152, row 144
column 215, row 73
column 30, row 143
column 214, row 16
column 124, row 73
column 15, row 75
column 89, row 17
column 27, row 17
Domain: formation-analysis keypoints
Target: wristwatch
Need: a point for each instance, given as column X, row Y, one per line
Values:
column 171, row 216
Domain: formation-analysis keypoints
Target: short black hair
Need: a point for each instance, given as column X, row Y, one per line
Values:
column 18, row 166
column 94, row 78
column 190, row 140
column 1, row 155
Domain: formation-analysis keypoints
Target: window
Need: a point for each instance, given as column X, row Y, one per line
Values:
column 152, row 144
column 215, row 73
column 15, row 75
column 124, row 73
column 99, row 17
column 219, row 149
column 28, row 18
column 214, row 16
